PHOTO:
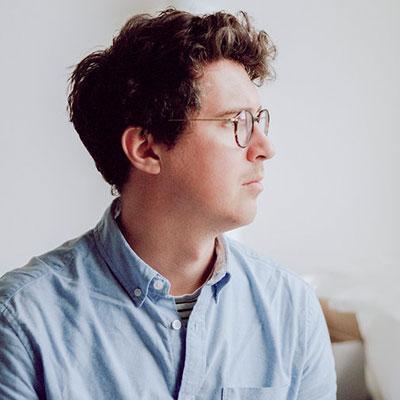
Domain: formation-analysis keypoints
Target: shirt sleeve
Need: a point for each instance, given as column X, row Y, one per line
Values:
column 318, row 381
column 17, row 371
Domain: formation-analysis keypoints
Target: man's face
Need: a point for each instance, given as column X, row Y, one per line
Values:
column 207, row 172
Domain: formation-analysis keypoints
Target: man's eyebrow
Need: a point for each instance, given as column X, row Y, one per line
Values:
column 234, row 111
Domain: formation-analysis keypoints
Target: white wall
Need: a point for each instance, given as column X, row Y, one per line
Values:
column 332, row 191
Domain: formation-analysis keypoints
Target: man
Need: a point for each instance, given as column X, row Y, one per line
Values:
column 155, row 302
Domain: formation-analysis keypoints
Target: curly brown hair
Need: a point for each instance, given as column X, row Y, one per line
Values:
column 149, row 75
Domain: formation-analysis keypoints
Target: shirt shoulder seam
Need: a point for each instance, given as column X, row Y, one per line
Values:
column 31, row 282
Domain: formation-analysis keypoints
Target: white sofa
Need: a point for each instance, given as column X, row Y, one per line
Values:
column 371, row 369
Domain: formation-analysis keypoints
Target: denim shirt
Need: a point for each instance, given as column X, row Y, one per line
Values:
column 91, row 320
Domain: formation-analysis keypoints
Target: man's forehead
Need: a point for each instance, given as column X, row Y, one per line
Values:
column 225, row 85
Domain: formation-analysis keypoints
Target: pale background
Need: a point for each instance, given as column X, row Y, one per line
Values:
column 332, row 191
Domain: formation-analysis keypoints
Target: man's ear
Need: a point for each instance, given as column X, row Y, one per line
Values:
column 141, row 150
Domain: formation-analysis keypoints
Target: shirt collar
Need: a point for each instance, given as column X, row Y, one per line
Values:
column 138, row 278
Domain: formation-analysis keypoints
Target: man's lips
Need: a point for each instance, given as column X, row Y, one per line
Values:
column 255, row 180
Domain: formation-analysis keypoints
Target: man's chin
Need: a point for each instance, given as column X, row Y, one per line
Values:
column 243, row 218
column 249, row 218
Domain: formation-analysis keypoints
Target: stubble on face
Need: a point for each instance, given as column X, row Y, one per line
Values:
column 206, row 170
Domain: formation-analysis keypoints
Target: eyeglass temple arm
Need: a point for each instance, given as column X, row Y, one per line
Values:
column 202, row 119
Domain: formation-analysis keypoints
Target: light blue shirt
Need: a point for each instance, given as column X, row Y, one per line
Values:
column 91, row 320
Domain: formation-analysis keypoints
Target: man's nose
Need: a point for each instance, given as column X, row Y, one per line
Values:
column 260, row 146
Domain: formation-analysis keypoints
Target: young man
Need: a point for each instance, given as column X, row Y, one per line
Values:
column 155, row 302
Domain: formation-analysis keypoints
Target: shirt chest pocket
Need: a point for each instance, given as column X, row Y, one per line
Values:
column 259, row 393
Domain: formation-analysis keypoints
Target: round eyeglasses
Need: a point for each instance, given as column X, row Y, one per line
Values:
column 243, row 123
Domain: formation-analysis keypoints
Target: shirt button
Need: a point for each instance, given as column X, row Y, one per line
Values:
column 158, row 285
column 176, row 324
column 137, row 292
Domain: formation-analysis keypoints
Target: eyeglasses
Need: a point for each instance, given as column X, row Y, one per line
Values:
column 243, row 123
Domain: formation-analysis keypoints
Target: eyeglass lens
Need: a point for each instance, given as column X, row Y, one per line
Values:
column 245, row 125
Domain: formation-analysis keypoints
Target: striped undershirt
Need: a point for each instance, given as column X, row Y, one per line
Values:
column 185, row 303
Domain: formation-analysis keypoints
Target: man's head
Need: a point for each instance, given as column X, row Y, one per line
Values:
column 152, row 74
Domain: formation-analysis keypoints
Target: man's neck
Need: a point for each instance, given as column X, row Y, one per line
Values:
column 171, row 246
